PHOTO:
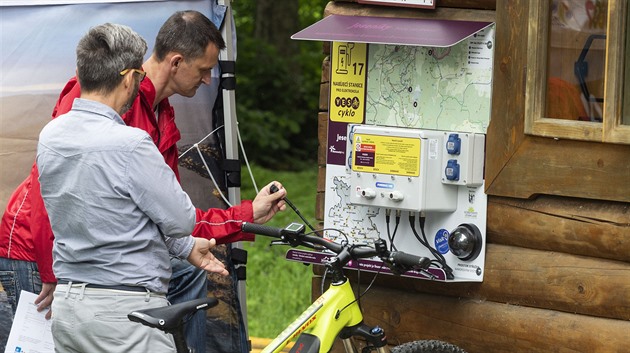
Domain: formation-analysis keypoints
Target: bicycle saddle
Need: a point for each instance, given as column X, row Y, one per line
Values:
column 168, row 318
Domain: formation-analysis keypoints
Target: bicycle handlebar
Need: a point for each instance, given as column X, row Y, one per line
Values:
column 285, row 234
column 294, row 235
column 262, row 229
column 409, row 260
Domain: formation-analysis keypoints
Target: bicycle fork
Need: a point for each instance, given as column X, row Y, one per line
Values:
column 374, row 336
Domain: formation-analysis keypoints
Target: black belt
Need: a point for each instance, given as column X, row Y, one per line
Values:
column 99, row 286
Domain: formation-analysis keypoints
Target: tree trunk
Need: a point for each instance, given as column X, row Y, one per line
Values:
column 276, row 21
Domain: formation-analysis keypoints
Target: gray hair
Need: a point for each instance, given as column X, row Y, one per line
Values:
column 104, row 52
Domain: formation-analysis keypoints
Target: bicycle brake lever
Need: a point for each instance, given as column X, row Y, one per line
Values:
column 296, row 243
column 278, row 242
column 313, row 246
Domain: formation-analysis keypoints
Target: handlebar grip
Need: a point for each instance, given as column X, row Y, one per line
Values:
column 417, row 262
column 261, row 229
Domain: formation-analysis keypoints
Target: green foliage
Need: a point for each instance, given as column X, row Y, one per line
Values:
column 277, row 96
column 277, row 104
column 278, row 290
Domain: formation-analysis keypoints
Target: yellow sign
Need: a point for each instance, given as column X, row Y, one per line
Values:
column 386, row 154
column 347, row 82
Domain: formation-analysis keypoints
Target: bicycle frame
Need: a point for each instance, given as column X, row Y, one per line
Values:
column 336, row 313
column 333, row 311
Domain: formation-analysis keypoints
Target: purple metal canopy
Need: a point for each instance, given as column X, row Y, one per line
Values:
column 389, row 30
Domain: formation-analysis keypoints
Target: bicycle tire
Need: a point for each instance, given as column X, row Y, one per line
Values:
column 427, row 346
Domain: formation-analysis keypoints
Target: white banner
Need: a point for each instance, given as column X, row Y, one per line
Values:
column 63, row 2
column 38, row 58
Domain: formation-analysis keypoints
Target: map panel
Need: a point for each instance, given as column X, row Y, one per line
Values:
column 431, row 88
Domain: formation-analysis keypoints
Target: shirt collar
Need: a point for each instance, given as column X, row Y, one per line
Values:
column 97, row 107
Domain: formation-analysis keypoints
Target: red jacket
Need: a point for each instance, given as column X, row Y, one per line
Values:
column 25, row 232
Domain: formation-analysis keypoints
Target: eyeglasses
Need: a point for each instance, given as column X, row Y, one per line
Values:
column 140, row 72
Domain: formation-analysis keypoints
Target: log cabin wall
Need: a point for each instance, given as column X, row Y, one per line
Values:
column 557, row 268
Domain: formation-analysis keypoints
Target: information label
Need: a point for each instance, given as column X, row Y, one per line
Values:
column 386, row 155
column 347, row 82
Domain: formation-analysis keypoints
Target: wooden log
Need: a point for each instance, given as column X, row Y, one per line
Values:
column 577, row 226
column 444, row 13
column 480, row 326
column 322, row 137
column 326, row 70
column 540, row 279
column 319, row 208
column 465, row 4
column 505, row 131
column 578, row 169
column 483, row 326
column 324, row 96
column 321, row 194
column 468, row 4
column 324, row 91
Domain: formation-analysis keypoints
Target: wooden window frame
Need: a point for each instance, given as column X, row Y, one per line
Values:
column 521, row 165
column 611, row 130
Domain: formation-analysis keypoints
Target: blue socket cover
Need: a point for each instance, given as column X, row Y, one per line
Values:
column 452, row 170
column 453, row 144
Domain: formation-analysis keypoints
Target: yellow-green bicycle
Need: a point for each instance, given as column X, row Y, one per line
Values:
column 336, row 313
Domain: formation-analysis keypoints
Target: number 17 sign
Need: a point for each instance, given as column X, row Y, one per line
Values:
column 347, row 82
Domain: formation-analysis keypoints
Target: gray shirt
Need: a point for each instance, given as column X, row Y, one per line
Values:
column 116, row 208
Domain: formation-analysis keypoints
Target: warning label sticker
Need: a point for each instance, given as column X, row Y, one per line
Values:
column 386, row 154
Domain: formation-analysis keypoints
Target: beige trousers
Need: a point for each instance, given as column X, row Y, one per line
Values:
column 95, row 320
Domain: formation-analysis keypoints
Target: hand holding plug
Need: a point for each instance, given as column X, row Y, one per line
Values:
column 268, row 203
column 273, row 189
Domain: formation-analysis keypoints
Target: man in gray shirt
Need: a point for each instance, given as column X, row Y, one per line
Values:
column 116, row 208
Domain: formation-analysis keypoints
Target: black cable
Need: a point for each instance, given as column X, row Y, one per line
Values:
column 390, row 235
column 436, row 253
column 360, row 295
column 438, row 256
column 273, row 188
column 324, row 280
column 397, row 220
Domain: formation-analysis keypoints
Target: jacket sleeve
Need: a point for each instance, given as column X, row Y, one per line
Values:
column 225, row 225
column 43, row 237
column 42, row 232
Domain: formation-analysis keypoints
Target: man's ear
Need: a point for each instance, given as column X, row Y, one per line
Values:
column 129, row 80
column 128, row 83
column 176, row 60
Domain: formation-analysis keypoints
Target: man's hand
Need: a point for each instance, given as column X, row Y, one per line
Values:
column 266, row 204
column 45, row 298
column 201, row 257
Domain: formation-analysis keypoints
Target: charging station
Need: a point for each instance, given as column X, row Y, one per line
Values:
column 422, row 174
column 412, row 169
column 408, row 113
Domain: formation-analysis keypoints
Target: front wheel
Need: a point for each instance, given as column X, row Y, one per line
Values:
column 427, row 346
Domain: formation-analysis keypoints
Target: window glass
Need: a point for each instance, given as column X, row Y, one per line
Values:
column 576, row 60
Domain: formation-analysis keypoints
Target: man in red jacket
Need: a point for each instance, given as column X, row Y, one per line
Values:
column 176, row 66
